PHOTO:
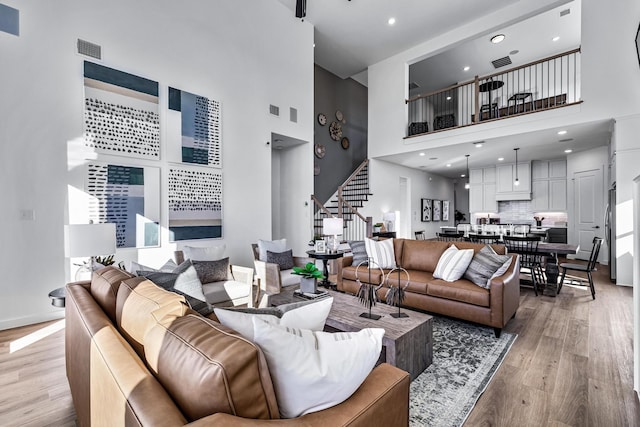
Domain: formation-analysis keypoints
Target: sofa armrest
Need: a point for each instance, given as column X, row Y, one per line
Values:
column 505, row 293
column 242, row 274
column 345, row 261
column 381, row 400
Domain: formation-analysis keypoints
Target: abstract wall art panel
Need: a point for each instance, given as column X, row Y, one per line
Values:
column 128, row 197
column 200, row 128
column 426, row 206
column 120, row 113
column 195, row 203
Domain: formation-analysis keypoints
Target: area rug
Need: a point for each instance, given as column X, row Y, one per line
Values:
column 465, row 358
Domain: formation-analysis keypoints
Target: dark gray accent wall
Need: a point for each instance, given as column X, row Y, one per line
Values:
column 331, row 94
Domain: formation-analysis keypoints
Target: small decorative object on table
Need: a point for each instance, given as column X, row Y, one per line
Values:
column 538, row 220
column 395, row 296
column 310, row 275
column 367, row 293
column 320, row 246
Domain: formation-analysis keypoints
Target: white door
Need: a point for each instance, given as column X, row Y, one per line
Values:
column 589, row 205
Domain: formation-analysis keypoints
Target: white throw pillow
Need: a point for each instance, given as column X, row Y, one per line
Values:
column 306, row 315
column 381, row 251
column 275, row 246
column 210, row 253
column 453, row 263
column 311, row 370
column 168, row 267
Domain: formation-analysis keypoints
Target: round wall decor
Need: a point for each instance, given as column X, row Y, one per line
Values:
column 335, row 131
column 345, row 142
column 322, row 119
column 339, row 115
column 319, row 150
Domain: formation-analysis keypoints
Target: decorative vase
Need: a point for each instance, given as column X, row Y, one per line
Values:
column 309, row 285
column 538, row 223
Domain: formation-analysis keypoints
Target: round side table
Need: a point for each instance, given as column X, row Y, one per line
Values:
column 58, row 297
column 325, row 257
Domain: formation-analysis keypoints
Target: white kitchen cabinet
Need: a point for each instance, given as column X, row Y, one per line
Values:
column 558, row 195
column 482, row 190
column 549, row 186
column 505, row 177
column 540, row 195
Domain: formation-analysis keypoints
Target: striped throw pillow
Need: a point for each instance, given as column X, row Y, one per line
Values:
column 381, row 252
column 453, row 263
column 486, row 265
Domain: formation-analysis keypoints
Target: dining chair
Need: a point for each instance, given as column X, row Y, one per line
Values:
column 489, row 239
column 420, row 235
column 530, row 259
column 450, row 237
column 585, row 268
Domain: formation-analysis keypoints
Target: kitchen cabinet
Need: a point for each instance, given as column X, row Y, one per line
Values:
column 482, row 190
column 549, row 185
column 505, row 177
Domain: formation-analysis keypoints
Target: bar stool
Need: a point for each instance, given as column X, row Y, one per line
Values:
column 520, row 97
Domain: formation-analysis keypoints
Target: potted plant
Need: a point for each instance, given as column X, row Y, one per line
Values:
column 377, row 227
column 310, row 275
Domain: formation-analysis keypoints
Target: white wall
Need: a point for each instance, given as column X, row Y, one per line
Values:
column 385, row 185
column 245, row 57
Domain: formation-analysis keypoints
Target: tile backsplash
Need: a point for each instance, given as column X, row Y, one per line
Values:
column 521, row 212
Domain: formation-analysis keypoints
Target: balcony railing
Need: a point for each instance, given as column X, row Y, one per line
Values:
column 541, row 85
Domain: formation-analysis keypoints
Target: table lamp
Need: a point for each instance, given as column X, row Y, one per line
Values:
column 333, row 227
column 89, row 240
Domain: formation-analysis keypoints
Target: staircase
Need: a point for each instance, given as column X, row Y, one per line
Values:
column 344, row 203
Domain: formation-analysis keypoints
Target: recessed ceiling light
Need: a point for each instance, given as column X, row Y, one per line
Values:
column 478, row 144
column 497, row 38
column 568, row 150
column 500, row 159
column 422, row 154
column 314, row 45
column 556, row 38
column 448, row 165
column 562, row 132
column 466, row 68
column 433, row 158
column 514, row 52
column 448, row 98
column 462, row 175
column 391, row 21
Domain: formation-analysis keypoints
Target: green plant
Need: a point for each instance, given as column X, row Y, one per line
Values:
column 309, row 271
column 106, row 260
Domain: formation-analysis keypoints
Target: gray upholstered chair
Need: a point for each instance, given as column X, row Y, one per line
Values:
column 272, row 279
column 236, row 290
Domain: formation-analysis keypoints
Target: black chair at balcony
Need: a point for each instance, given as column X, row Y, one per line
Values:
column 530, row 260
column 524, row 98
column 584, row 268
column 450, row 237
column 488, row 239
column 445, row 121
column 489, row 111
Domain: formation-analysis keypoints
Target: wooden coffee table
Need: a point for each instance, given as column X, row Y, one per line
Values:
column 407, row 342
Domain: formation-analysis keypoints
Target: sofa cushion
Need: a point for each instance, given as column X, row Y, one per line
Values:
column 373, row 275
column 417, row 281
column 270, row 245
column 138, row 299
column 485, row 265
column 381, row 252
column 212, row 271
column 498, row 248
column 226, row 290
column 359, row 252
column 209, row 253
column 453, row 263
column 104, row 288
column 422, row 255
column 283, row 259
column 207, row 368
column 310, row 315
column 287, row 279
column 461, row 290
column 314, row 370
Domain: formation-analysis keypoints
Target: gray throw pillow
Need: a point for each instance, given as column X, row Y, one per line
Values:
column 359, row 251
column 283, row 259
column 483, row 266
column 212, row 271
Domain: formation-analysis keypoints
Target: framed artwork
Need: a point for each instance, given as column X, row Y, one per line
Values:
column 121, row 113
column 321, row 246
column 195, row 203
column 127, row 196
column 437, row 210
column 427, row 206
column 200, row 128
column 445, row 210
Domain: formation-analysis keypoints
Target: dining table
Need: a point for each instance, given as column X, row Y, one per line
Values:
column 551, row 251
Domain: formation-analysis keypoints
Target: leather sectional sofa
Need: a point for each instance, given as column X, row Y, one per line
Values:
column 461, row 299
column 137, row 355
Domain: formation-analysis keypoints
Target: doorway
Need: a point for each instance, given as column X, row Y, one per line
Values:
column 588, row 208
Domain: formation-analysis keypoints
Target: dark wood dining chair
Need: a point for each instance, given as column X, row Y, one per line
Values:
column 420, row 235
column 530, row 259
column 584, row 268
column 450, row 237
column 488, row 239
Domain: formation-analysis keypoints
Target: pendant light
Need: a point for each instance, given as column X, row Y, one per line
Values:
column 517, row 181
column 466, row 185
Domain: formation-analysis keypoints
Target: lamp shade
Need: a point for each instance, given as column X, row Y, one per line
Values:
column 332, row 226
column 88, row 240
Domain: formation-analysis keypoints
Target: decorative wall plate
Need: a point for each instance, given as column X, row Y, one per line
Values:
column 345, row 142
column 339, row 115
column 335, row 131
column 319, row 150
column 322, row 119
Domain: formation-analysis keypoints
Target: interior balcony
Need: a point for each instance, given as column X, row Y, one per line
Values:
column 545, row 84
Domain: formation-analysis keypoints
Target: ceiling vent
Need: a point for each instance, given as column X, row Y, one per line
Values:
column 89, row 49
column 274, row 110
column 413, row 85
column 565, row 12
column 501, row 62
column 293, row 115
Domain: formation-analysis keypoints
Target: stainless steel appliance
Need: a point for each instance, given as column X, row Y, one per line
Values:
column 610, row 229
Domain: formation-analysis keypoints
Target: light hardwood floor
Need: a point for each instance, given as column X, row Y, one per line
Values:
column 570, row 366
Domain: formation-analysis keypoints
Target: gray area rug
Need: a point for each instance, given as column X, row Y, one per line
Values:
column 465, row 357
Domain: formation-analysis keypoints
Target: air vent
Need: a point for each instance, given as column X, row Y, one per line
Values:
column 566, row 140
column 274, row 110
column 501, row 62
column 413, row 85
column 565, row 12
column 293, row 115
column 89, row 49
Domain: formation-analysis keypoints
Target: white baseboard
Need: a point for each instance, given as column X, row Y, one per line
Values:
column 31, row 320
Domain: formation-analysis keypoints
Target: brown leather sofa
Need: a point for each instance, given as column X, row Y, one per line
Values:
column 136, row 355
column 461, row 299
